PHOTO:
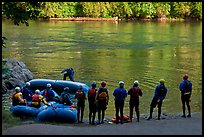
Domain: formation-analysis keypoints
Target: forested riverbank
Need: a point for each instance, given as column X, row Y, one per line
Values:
column 120, row 10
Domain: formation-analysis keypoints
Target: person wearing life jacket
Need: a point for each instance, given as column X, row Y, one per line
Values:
column 68, row 72
column 65, row 97
column 37, row 99
column 27, row 94
column 81, row 97
column 135, row 91
column 102, row 99
column 48, row 93
column 92, row 103
column 159, row 95
column 17, row 98
column 120, row 94
column 186, row 91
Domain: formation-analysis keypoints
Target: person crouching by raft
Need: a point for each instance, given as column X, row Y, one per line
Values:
column 37, row 99
column 65, row 97
column 186, row 91
column 102, row 99
column 27, row 94
column 81, row 97
column 17, row 98
column 120, row 95
column 92, row 103
column 68, row 72
column 159, row 95
column 48, row 93
column 135, row 91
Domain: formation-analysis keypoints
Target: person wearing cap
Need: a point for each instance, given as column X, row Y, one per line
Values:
column 37, row 99
column 102, row 99
column 186, row 90
column 65, row 97
column 17, row 98
column 92, row 103
column 135, row 91
column 81, row 97
column 159, row 95
column 120, row 94
column 27, row 94
column 48, row 93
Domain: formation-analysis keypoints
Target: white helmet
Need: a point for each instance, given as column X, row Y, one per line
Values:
column 17, row 89
column 121, row 82
column 49, row 85
column 136, row 82
column 37, row 91
column 27, row 83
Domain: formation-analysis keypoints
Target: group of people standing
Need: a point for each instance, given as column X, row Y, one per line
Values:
column 98, row 99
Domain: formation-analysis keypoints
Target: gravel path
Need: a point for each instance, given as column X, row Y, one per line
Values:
column 168, row 126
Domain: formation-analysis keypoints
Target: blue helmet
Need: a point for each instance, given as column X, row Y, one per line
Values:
column 93, row 84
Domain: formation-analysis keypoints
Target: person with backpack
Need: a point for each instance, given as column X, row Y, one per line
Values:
column 65, row 97
column 135, row 91
column 68, row 72
column 186, row 91
column 27, row 94
column 81, row 97
column 120, row 94
column 159, row 95
column 17, row 98
column 37, row 99
column 102, row 99
column 92, row 103
column 48, row 93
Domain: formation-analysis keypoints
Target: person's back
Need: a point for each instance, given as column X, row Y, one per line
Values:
column 92, row 103
column 37, row 99
column 120, row 94
column 186, row 90
column 17, row 98
column 159, row 95
column 160, row 91
column 27, row 94
column 135, row 91
column 80, row 96
column 102, row 99
column 48, row 93
column 65, row 97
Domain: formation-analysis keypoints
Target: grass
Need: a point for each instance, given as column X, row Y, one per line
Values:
column 8, row 120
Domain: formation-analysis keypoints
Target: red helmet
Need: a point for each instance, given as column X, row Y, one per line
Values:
column 185, row 77
column 103, row 83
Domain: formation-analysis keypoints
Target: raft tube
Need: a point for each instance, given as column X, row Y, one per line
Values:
column 57, row 85
column 28, row 111
column 58, row 114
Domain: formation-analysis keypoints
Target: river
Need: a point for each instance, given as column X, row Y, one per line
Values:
column 127, row 51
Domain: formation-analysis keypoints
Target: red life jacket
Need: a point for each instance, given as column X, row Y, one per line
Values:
column 35, row 98
column 92, row 93
column 79, row 95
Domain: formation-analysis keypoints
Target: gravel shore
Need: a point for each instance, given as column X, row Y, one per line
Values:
column 166, row 126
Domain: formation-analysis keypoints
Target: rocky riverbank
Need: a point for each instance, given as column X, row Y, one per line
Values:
column 14, row 73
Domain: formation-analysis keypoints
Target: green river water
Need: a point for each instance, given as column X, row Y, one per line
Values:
column 127, row 51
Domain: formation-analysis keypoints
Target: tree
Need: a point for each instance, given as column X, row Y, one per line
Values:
column 19, row 12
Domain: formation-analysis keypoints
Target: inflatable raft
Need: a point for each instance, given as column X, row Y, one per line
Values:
column 58, row 113
column 28, row 111
column 57, row 85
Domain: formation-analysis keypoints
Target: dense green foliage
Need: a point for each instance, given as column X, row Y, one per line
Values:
column 101, row 9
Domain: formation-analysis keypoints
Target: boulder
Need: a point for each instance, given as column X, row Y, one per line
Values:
column 15, row 74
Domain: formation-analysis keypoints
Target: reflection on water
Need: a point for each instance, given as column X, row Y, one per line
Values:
column 125, row 51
